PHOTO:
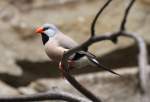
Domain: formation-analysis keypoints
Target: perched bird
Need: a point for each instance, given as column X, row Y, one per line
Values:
column 56, row 43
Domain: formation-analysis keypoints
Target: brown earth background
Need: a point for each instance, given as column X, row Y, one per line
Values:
column 25, row 68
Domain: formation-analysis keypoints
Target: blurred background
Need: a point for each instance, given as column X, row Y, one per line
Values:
column 25, row 68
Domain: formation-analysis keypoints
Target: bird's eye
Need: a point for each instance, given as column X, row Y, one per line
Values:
column 46, row 28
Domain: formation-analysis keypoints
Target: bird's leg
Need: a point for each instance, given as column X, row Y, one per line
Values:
column 61, row 66
column 71, row 63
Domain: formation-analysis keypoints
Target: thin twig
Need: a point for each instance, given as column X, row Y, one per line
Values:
column 126, row 13
column 96, row 17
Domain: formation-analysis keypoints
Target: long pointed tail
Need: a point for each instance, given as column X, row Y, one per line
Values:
column 94, row 60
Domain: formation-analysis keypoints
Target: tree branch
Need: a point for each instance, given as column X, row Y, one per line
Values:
column 51, row 95
column 144, row 69
column 109, row 36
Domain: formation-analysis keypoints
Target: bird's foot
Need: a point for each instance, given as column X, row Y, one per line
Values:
column 70, row 63
column 61, row 66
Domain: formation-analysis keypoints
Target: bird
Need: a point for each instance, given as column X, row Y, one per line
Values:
column 56, row 43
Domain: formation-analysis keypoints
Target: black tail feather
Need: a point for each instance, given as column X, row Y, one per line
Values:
column 94, row 61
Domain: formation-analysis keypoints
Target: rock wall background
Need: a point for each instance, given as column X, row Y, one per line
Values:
column 25, row 68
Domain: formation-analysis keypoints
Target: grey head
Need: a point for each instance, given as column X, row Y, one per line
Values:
column 49, row 31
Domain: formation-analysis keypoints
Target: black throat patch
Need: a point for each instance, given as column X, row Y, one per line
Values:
column 45, row 38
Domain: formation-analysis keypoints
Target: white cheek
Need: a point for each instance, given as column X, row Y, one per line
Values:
column 50, row 32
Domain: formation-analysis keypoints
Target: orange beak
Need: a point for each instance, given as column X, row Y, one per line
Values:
column 39, row 30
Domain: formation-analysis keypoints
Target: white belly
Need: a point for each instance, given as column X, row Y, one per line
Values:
column 54, row 51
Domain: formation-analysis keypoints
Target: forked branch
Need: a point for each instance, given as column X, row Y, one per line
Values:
column 93, row 39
